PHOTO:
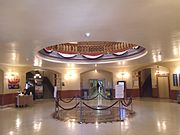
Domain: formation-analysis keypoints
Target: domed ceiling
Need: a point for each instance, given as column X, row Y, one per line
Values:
column 92, row 52
column 29, row 26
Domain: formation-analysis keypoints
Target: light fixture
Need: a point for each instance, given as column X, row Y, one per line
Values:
column 157, row 56
column 14, row 56
column 87, row 34
column 123, row 75
column 37, row 61
column 121, row 62
column 37, row 76
column 70, row 75
column 71, row 65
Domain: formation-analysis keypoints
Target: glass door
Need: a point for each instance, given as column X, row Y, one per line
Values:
column 92, row 88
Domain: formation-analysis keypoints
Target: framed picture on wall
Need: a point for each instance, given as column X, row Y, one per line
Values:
column 135, row 83
column 13, row 82
column 175, row 80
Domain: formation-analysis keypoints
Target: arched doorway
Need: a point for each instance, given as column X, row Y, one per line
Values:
column 154, row 81
column 94, row 82
column 43, row 82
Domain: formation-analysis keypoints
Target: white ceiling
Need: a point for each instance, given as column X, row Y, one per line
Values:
column 27, row 26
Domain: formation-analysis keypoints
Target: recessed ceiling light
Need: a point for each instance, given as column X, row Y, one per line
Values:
column 87, row 34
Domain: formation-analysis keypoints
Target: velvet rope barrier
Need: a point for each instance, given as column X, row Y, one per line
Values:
column 66, row 101
column 123, row 102
column 67, row 108
column 105, row 108
column 105, row 97
column 91, row 98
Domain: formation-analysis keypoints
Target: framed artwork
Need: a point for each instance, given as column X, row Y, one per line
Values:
column 175, row 80
column 13, row 83
column 135, row 83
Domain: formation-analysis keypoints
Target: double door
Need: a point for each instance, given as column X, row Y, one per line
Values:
column 96, row 87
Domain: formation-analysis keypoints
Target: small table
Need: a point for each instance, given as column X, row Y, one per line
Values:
column 24, row 100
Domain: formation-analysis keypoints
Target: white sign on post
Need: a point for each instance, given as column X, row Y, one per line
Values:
column 55, row 91
column 119, row 90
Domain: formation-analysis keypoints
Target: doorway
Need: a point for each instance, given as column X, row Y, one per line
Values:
column 96, row 87
column 163, row 86
column 145, row 83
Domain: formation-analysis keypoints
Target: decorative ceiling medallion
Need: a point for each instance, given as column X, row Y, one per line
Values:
column 90, row 52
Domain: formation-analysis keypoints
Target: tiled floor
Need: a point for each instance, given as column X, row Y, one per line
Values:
column 153, row 117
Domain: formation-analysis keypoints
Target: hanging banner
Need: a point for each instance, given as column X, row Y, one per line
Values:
column 55, row 91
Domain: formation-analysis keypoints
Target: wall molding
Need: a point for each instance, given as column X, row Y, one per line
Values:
column 10, row 99
column 69, row 93
column 7, row 99
column 173, row 94
column 72, row 93
column 132, row 92
column 155, row 93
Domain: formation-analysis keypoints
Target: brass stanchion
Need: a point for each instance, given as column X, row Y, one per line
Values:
column 120, row 111
column 80, row 107
column 131, row 111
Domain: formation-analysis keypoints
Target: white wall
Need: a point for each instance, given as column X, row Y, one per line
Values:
column 70, row 78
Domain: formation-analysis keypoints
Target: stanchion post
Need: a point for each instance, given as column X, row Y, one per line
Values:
column 77, row 99
column 132, row 107
column 56, row 106
column 120, row 111
column 60, row 112
column 80, row 120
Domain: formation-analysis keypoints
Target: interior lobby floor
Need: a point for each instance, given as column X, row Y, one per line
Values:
column 153, row 117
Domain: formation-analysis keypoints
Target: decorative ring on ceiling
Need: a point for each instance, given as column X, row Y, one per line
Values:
column 92, row 52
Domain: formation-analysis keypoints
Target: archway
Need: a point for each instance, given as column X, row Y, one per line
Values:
column 96, row 81
column 153, row 81
column 43, row 82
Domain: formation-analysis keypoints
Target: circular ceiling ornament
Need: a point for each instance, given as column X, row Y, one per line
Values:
column 92, row 52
